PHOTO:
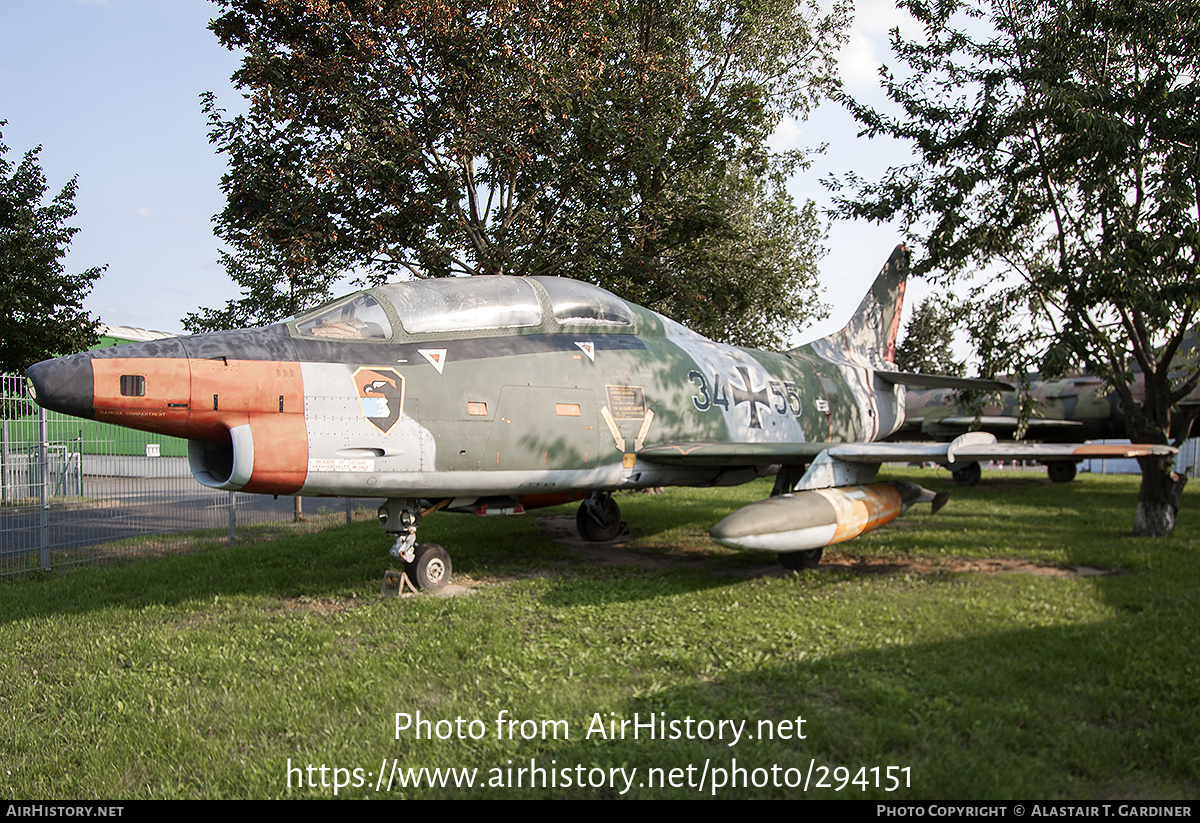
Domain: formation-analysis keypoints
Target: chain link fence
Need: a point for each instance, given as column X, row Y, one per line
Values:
column 76, row 491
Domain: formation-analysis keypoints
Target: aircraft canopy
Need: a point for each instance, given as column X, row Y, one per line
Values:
column 455, row 304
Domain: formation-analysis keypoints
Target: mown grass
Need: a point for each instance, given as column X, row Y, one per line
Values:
column 204, row 674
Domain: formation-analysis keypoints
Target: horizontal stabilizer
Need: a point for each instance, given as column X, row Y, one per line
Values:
column 941, row 381
column 998, row 421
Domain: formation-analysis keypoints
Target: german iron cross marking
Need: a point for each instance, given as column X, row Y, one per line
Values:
column 750, row 395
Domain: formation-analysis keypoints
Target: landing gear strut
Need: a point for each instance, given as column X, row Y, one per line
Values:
column 785, row 482
column 427, row 565
column 788, row 477
column 599, row 518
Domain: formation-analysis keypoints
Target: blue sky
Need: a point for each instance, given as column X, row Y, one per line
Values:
column 110, row 90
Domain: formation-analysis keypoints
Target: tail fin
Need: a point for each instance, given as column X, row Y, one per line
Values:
column 871, row 332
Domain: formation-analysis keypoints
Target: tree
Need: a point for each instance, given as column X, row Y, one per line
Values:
column 271, row 289
column 42, row 305
column 618, row 141
column 1058, row 150
column 928, row 342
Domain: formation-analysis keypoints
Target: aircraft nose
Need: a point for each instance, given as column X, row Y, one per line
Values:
column 65, row 384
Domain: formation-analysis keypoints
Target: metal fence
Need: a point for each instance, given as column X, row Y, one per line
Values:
column 77, row 491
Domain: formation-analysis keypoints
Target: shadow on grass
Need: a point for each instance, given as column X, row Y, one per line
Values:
column 996, row 686
column 331, row 563
column 1105, row 710
column 1084, row 523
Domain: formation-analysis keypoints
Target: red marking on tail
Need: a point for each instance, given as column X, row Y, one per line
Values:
column 895, row 327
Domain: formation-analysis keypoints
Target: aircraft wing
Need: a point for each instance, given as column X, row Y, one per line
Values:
column 983, row 450
column 975, row 446
column 721, row 453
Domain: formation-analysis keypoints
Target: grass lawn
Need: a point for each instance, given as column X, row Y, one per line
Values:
column 275, row 669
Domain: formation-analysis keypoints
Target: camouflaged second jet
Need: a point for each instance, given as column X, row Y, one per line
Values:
column 493, row 395
column 1072, row 408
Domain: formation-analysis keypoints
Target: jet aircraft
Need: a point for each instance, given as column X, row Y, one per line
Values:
column 1071, row 408
column 493, row 395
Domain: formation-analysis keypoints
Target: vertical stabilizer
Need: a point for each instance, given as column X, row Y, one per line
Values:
column 871, row 332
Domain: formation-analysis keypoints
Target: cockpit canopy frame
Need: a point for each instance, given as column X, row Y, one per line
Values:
column 465, row 305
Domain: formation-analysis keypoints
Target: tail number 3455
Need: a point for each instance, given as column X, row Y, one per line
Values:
column 783, row 397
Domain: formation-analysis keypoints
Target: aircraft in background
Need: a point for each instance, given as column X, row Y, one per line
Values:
column 493, row 395
column 1069, row 409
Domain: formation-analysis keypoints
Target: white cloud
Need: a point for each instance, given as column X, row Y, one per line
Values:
column 868, row 45
column 789, row 134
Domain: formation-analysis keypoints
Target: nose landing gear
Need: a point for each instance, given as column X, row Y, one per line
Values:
column 426, row 565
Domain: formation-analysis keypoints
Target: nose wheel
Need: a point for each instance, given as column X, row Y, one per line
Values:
column 430, row 568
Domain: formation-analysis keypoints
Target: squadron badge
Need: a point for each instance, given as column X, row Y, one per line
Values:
column 381, row 395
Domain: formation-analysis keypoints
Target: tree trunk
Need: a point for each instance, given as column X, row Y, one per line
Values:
column 1158, row 497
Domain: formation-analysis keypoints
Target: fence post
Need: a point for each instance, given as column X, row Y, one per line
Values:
column 232, row 520
column 78, row 484
column 44, row 464
column 4, row 461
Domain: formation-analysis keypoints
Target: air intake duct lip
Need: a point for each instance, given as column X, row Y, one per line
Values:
column 226, row 466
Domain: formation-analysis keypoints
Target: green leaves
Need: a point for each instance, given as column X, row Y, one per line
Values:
column 41, row 303
column 928, row 341
column 619, row 142
column 1059, row 179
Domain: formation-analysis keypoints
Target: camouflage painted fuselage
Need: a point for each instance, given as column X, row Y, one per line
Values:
column 555, row 402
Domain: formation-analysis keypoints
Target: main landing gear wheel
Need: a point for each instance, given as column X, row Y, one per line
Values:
column 1061, row 471
column 598, row 519
column 968, row 475
column 430, row 569
column 799, row 561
